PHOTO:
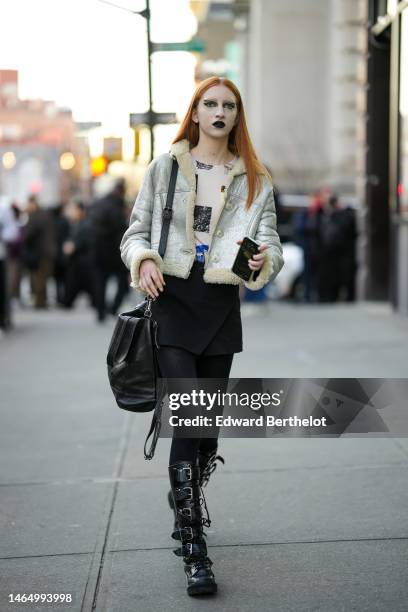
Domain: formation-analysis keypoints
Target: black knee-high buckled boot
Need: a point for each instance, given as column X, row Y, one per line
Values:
column 188, row 500
column 207, row 462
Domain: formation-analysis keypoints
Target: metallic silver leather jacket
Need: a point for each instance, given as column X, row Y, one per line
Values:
column 141, row 240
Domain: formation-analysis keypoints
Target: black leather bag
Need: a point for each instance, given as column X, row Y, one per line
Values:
column 132, row 367
column 132, row 359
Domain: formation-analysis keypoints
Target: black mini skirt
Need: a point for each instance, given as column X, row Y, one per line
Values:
column 203, row 318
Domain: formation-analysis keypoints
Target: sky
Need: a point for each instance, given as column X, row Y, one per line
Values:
column 92, row 57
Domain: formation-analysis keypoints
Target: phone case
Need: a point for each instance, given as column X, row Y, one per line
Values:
column 246, row 250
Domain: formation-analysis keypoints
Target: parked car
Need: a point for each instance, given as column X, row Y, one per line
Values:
column 288, row 283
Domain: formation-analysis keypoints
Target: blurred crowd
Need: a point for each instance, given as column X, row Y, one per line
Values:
column 76, row 244
column 326, row 232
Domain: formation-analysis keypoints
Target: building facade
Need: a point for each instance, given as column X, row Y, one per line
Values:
column 386, row 192
column 39, row 151
column 325, row 83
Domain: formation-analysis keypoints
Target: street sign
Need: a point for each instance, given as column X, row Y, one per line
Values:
column 87, row 125
column 153, row 118
column 138, row 119
column 195, row 45
column 112, row 149
column 164, row 117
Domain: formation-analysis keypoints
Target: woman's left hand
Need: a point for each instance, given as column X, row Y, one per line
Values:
column 257, row 261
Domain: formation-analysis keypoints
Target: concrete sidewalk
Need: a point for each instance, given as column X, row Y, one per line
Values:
column 297, row 524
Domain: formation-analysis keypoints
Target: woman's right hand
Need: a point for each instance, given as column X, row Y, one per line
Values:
column 151, row 279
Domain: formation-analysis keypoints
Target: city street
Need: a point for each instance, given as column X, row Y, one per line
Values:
column 214, row 138
column 298, row 525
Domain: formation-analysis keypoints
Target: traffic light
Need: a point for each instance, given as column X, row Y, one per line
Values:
column 99, row 165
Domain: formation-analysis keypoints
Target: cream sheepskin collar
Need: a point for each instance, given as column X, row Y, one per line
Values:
column 181, row 151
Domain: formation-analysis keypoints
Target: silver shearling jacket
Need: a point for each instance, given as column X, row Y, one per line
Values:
column 141, row 240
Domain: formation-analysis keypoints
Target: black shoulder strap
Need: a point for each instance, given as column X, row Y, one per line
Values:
column 168, row 209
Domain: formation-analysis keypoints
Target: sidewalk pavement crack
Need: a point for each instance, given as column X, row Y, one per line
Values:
column 277, row 543
column 238, row 544
column 93, row 582
column 400, row 447
column 113, row 480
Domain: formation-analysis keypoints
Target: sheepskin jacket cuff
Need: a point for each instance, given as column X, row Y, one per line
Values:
column 137, row 259
column 263, row 276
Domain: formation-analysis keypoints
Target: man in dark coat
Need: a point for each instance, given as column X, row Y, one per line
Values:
column 349, row 258
column 108, row 223
column 338, row 235
column 8, row 236
column 61, row 224
column 39, row 249
column 77, row 255
column 331, row 250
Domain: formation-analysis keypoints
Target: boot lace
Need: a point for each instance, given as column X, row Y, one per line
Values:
column 205, row 521
column 209, row 468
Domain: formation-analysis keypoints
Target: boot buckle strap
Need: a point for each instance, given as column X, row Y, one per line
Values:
column 187, row 533
column 181, row 496
column 186, row 512
column 190, row 490
column 187, row 549
column 180, row 473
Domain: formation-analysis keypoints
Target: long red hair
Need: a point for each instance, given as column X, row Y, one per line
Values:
column 239, row 141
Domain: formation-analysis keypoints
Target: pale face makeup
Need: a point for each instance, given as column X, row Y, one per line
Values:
column 216, row 112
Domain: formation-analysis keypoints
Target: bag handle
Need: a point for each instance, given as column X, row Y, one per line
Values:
column 168, row 209
column 155, row 425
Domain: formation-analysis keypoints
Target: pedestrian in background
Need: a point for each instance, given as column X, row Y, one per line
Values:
column 349, row 255
column 15, row 249
column 8, row 234
column 222, row 194
column 39, row 250
column 332, row 248
column 61, row 225
column 306, row 233
column 78, row 276
column 108, row 222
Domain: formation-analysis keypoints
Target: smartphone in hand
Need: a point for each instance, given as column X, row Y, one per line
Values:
column 247, row 249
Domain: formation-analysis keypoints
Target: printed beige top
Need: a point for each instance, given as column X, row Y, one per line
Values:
column 211, row 181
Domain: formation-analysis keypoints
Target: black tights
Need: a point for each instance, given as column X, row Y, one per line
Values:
column 178, row 363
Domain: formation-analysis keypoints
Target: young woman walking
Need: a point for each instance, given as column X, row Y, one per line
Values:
column 222, row 194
